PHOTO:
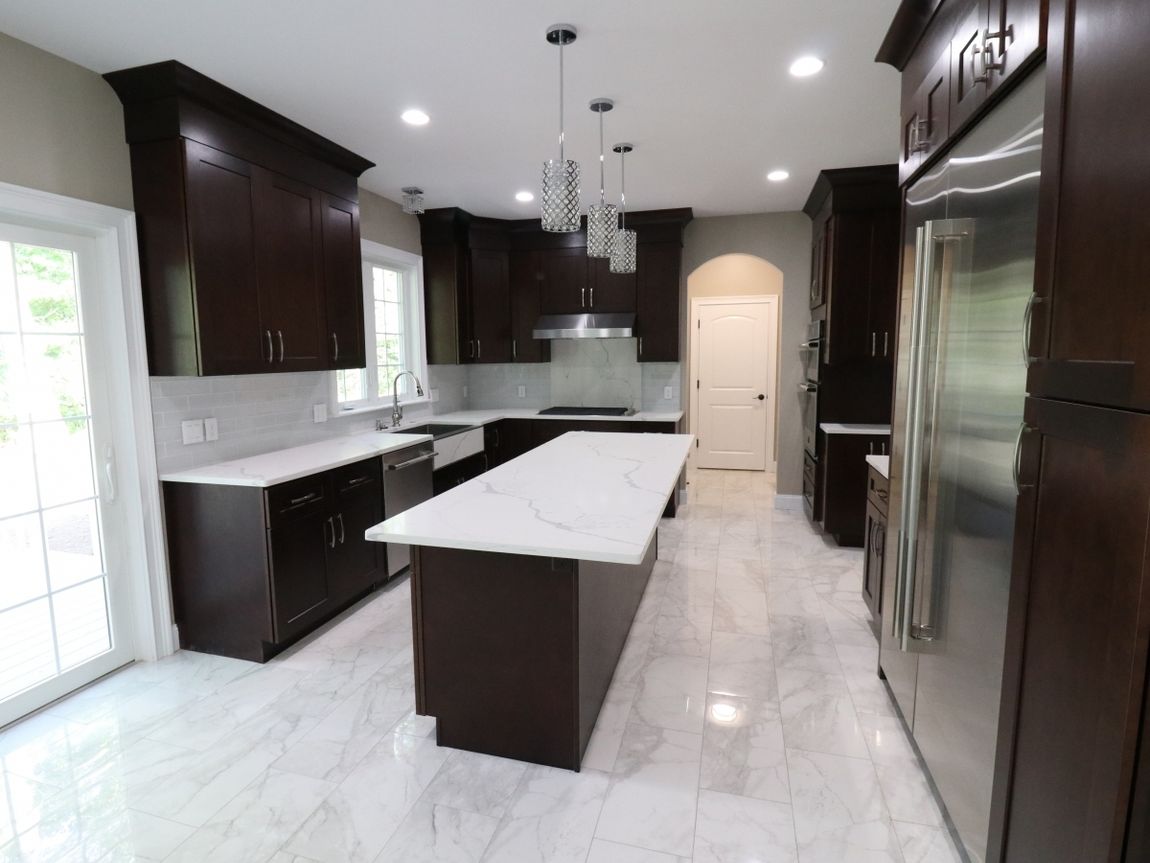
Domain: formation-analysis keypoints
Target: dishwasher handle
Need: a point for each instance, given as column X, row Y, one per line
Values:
column 411, row 461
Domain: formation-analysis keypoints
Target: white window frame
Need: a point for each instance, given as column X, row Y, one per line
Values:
column 411, row 266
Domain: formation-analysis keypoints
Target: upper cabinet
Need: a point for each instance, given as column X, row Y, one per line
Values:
column 248, row 230
column 854, row 284
column 1088, row 339
column 955, row 56
column 487, row 281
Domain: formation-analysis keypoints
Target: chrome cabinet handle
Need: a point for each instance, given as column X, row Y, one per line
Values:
column 296, row 501
column 975, row 77
column 808, row 387
column 271, row 350
column 1016, row 462
column 471, row 348
column 885, row 344
column 873, row 343
column 331, row 524
column 514, row 349
column 342, row 535
column 640, row 346
column 918, row 143
column 478, row 349
column 335, row 344
column 359, row 480
column 993, row 65
column 582, row 298
column 592, row 303
column 411, row 461
column 1027, row 316
column 280, row 334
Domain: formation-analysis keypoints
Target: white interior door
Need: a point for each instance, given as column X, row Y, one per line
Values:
column 63, row 537
column 733, row 354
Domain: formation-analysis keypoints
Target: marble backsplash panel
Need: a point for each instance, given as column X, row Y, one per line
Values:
column 596, row 373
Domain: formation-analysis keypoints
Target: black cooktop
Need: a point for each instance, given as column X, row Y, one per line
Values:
column 585, row 412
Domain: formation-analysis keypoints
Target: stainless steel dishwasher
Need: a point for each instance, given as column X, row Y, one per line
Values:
column 406, row 483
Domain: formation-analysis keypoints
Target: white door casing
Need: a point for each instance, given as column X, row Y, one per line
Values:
column 733, row 374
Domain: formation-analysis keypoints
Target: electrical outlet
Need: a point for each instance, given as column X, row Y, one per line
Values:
column 667, row 394
column 192, row 431
column 211, row 429
column 319, row 413
column 521, row 391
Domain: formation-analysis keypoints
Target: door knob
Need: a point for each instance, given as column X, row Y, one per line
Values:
column 760, row 396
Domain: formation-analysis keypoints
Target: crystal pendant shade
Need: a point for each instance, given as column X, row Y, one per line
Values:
column 624, row 258
column 412, row 201
column 602, row 225
column 560, row 200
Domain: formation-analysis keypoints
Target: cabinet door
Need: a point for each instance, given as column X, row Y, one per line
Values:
column 298, row 572
column 607, row 291
column 289, row 252
column 354, row 564
column 1080, row 620
column 564, row 288
column 872, row 573
column 882, row 287
column 222, row 241
column 969, row 72
column 927, row 118
column 490, row 307
column 820, row 261
column 657, row 302
column 343, row 283
column 1017, row 30
column 446, row 305
column 525, row 277
column 1089, row 330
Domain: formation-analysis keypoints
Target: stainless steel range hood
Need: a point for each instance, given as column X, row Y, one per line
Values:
column 603, row 325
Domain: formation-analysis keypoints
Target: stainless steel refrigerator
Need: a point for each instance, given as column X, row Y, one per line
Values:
column 968, row 272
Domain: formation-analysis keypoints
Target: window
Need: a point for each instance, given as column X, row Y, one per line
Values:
column 393, row 322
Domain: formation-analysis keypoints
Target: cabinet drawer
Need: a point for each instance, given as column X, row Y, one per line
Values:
column 297, row 499
column 356, row 477
column 878, row 490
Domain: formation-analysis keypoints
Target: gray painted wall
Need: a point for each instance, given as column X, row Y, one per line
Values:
column 784, row 239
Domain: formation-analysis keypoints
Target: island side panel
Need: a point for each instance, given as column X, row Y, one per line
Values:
column 609, row 596
column 496, row 652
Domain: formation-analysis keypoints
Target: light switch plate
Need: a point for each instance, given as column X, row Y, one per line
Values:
column 319, row 413
column 192, row 431
column 211, row 428
column 521, row 391
column 667, row 394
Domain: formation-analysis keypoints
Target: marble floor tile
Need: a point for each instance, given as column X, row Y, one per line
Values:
column 741, row 575
column 671, row 692
column 741, row 611
column 690, row 586
column 654, row 790
column 434, row 833
column 603, row 747
column 682, row 629
column 743, row 751
column 839, row 810
column 551, row 819
column 741, row 665
column 257, row 822
column 356, row 819
column 818, row 714
column 603, row 851
column 476, row 782
column 907, row 792
column 734, row 829
column 921, row 844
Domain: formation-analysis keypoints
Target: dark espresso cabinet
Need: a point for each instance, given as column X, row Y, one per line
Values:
column 874, row 543
column 525, row 277
column 843, row 472
column 490, row 306
column 607, row 291
column 563, row 290
column 252, row 569
column 249, row 230
column 657, row 301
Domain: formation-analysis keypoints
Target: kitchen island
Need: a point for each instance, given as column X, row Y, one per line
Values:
column 525, row 581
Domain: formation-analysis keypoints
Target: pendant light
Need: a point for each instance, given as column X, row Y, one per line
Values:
column 625, row 254
column 560, row 199
column 412, row 200
column 602, row 218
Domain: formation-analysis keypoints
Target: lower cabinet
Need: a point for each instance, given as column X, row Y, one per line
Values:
column 253, row 569
column 458, row 472
column 504, row 440
column 844, row 477
column 875, row 539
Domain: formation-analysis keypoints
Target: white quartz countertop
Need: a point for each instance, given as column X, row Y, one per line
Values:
column 272, row 468
column 482, row 417
column 854, row 428
column 881, row 463
column 584, row 496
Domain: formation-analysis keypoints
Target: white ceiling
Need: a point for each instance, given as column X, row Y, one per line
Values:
column 700, row 86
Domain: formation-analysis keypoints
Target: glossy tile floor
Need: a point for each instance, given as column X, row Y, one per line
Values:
column 744, row 725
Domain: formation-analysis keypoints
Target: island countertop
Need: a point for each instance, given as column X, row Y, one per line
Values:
column 584, row 496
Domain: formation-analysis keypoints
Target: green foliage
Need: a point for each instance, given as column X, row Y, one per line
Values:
column 72, row 412
column 52, row 310
column 44, row 264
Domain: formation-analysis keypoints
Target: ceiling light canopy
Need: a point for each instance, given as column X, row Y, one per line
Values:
column 415, row 117
column 524, row 197
column 806, row 66
column 778, row 175
column 412, row 200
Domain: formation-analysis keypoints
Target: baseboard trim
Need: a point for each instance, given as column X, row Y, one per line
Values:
column 789, row 502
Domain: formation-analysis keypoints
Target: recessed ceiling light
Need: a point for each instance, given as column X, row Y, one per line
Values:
column 778, row 175
column 806, row 66
column 415, row 117
column 524, row 197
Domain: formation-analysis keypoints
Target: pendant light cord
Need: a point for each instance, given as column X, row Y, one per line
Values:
column 602, row 182
column 561, row 99
column 623, row 190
